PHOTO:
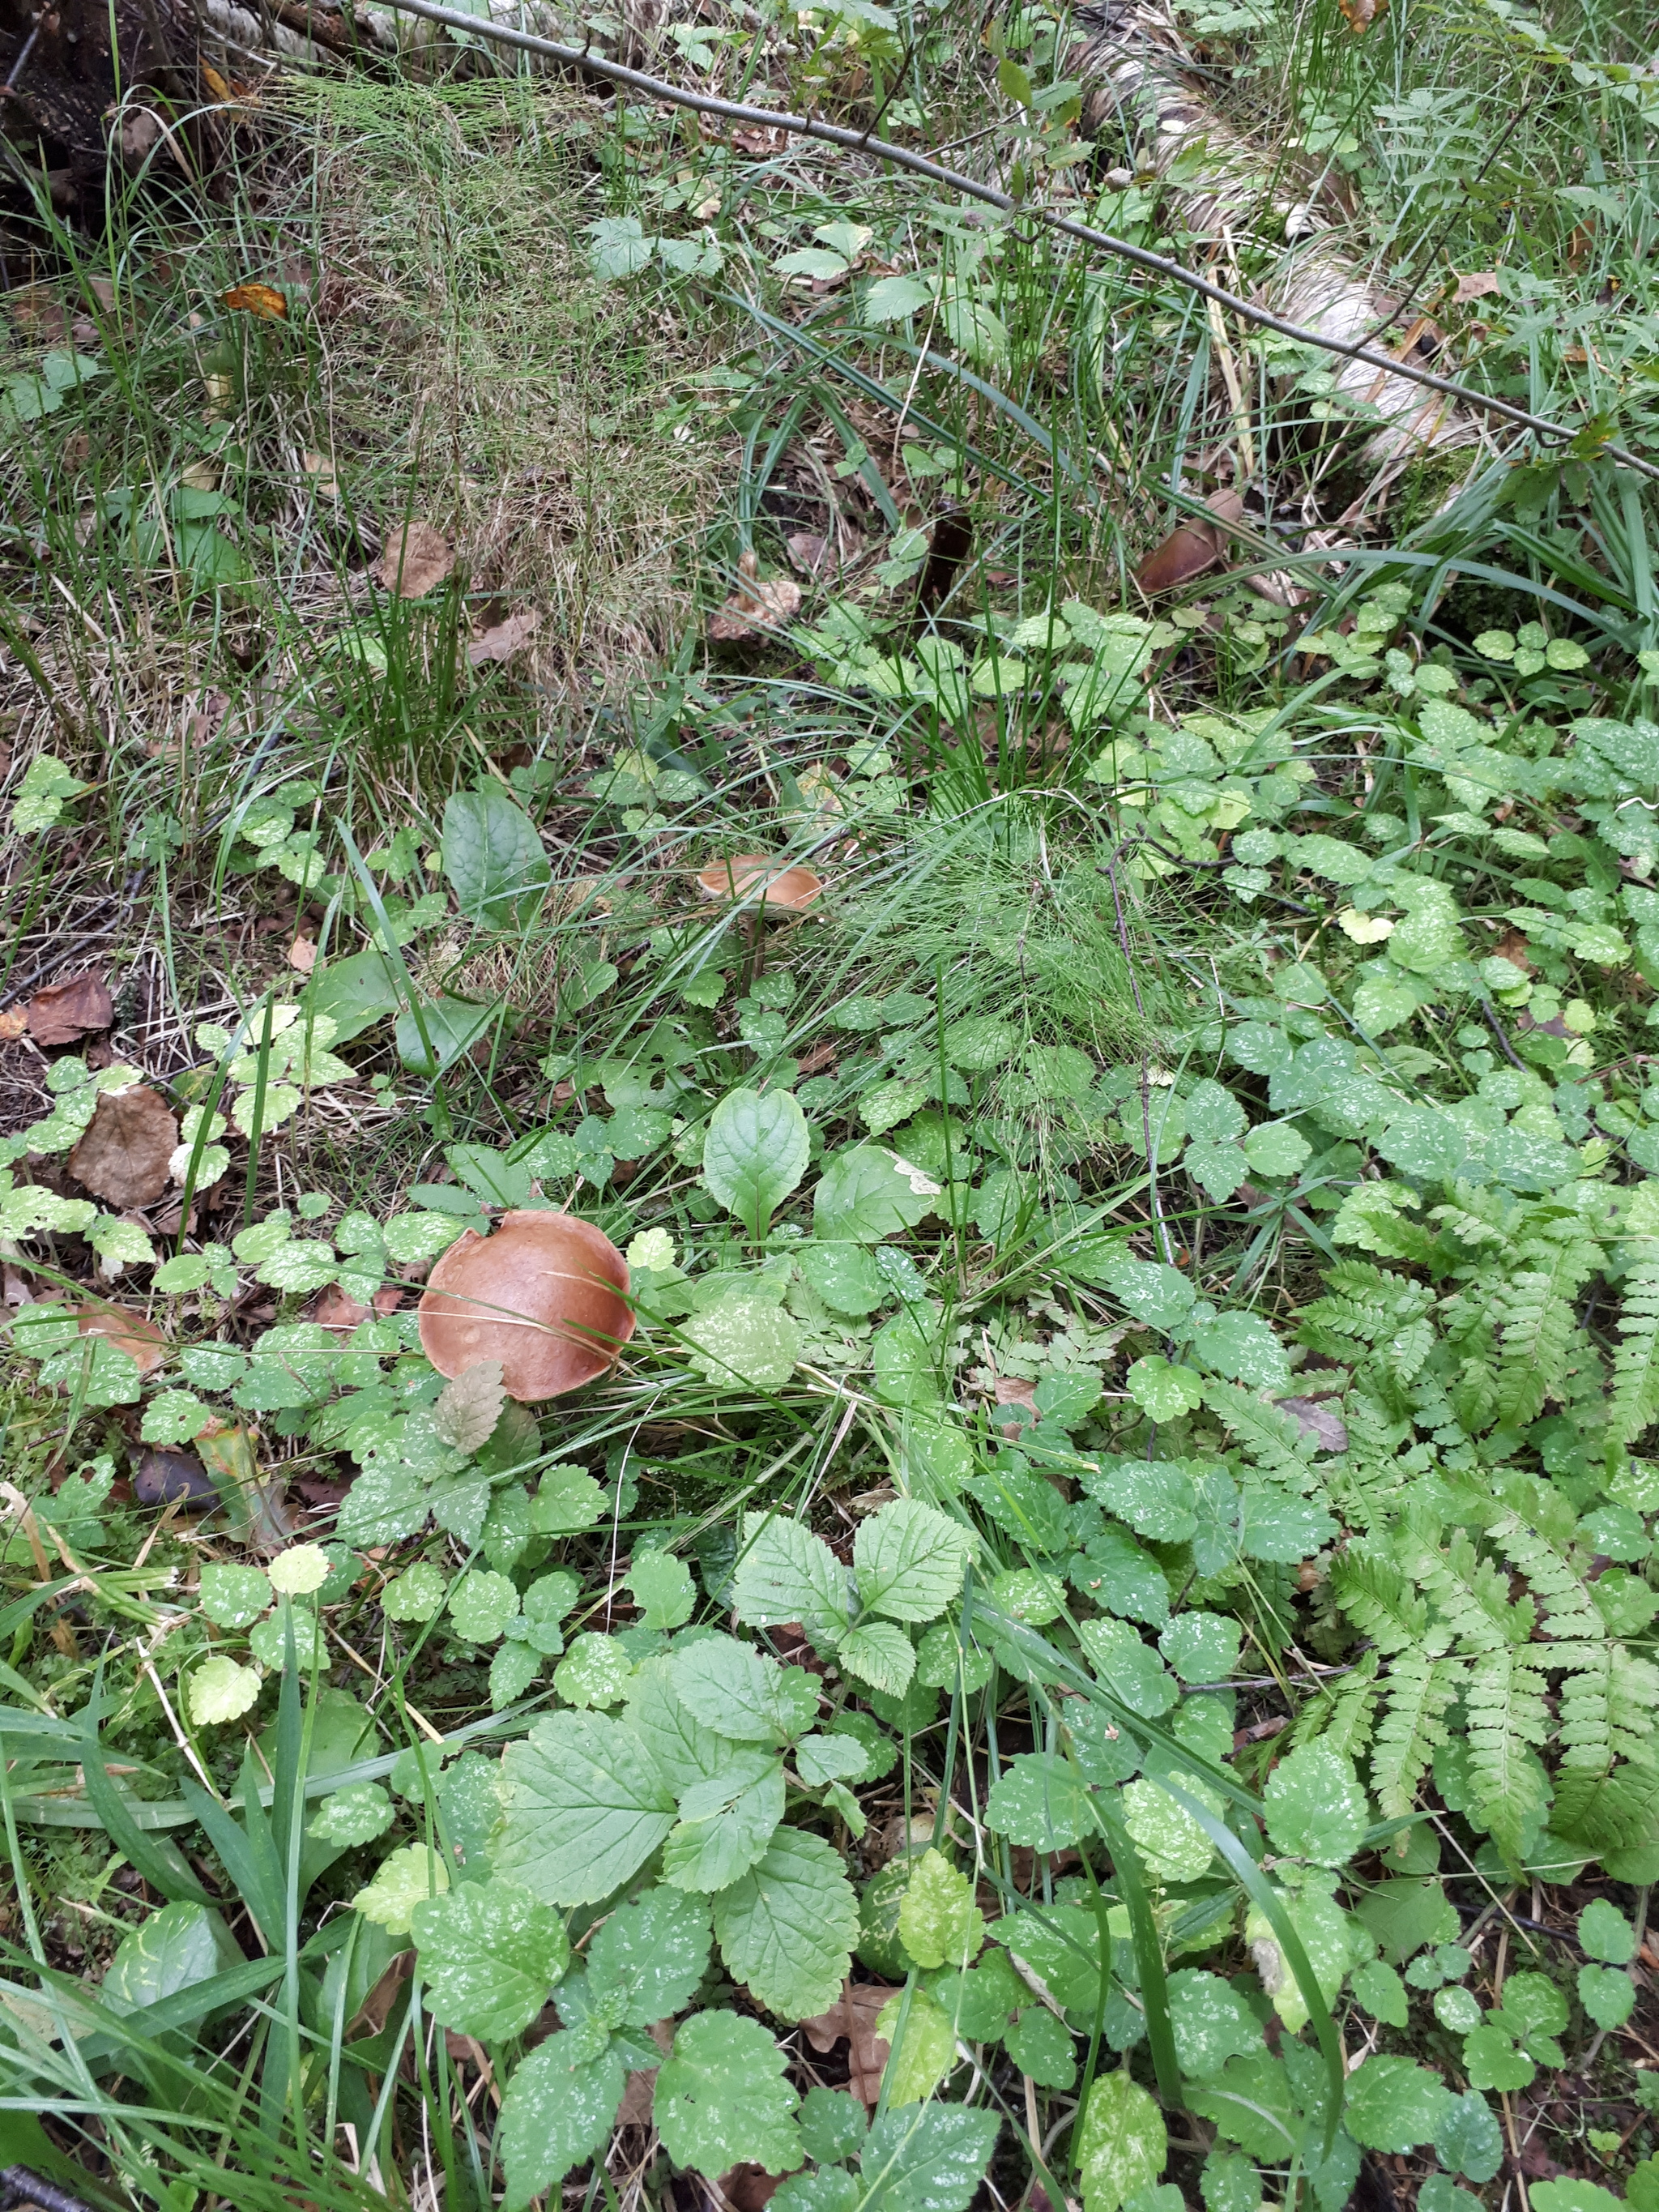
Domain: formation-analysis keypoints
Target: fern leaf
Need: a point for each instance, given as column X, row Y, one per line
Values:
column 1340, row 1714
column 1635, row 1402
column 1505, row 1700
column 1379, row 1600
column 1563, row 1598
column 1413, row 1729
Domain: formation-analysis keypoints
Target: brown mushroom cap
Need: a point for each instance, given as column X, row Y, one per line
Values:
column 545, row 1295
column 751, row 875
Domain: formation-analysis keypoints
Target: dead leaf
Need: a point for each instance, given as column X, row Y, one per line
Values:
column 320, row 469
column 64, row 1012
column 39, row 314
column 854, row 2015
column 754, row 607
column 415, row 561
column 1516, row 950
column 1362, row 14
column 264, row 301
column 636, row 2103
column 504, row 639
column 302, row 954
column 375, row 2010
column 810, row 552
column 760, row 142
column 215, row 84
column 749, row 2188
column 140, row 130
column 135, row 1333
column 1191, row 548
column 123, row 1154
column 1318, row 1418
column 949, row 544
column 168, row 1477
column 13, row 1023
column 1479, row 284
column 259, row 1515
column 200, row 476
column 1014, row 1390
column 334, row 1309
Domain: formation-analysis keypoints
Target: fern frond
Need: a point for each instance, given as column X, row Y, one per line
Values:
column 1635, row 1402
column 1341, row 1713
column 1270, row 1438
column 1420, row 1689
column 1379, row 1599
column 1564, row 1599
column 1508, row 1719
column 1470, row 1595
column 1608, row 1701
column 1600, row 1813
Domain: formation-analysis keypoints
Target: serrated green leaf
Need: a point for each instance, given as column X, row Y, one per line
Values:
column 785, row 1573
column 662, row 1588
column 922, row 2043
column 722, row 2099
column 585, row 1807
column 1122, row 2143
column 645, row 1963
column 1316, row 1809
column 1393, row 2104
column 879, row 1654
column 737, row 1691
column 724, row 1826
column 1041, row 1802
column 490, row 1952
column 909, row 1560
column 559, row 2108
column 787, row 1929
column 939, row 1924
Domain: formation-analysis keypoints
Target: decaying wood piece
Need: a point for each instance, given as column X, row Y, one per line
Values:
column 1140, row 82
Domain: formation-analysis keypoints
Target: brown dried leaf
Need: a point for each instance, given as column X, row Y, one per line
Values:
column 302, row 954
column 13, row 1023
column 810, row 552
column 501, row 642
column 754, row 607
column 853, row 2015
column 258, row 1510
column 65, row 1011
column 264, row 301
column 123, row 1154
column 415, row 561
column 1362, row 14
column 466, row 1413
column 1319, row 1419
column 1479, row 284
column 749, row 2188
column 135, row 1333
column 1516, row 949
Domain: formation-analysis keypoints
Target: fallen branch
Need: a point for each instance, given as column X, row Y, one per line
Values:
column 919, row 165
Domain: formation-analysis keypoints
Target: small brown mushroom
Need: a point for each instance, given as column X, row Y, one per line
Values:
column 545, row 1295
column 767, row 876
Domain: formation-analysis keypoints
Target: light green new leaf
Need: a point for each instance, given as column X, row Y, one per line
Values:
column 738, row 1340
column 559, row 2108
column 662, row 1588
column 939, row 1924
column 722, row 2099
column 923, row 2053
column 353, row 1816
column 787, row 1929
column 909, row 1560
column 481, row 1606
column 724, row 1826
column 1122, row 2143
column 755, row 1154
column 220, row 1690
column 1163, row 1391
column 182, row 1944
column 401, row 1882
column 490, row 1952
column 586, row 1807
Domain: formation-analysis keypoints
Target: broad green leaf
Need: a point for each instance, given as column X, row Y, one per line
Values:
column 909, row 1560
column 559, row 2108
column 1377, row 1986
column 1128, row 1667
column 1212, row 2023
column 923, row 2051
column 722, row 2099
column 586, row 1807
column 1321, row 1929
column 490, row 1952
column 595, row 1671
column 1468, row 2140
column 1122, row 2143
column 939, row 1924
column 905, row 1363
column 928, row 2158
column 1165, row 1392
column 1393, row 2104
column 182, row 1944
column 1607, row 1995
column 415, row 1594
column 1603, row 1932
column 647, row 1960
column 755, row 1154
column 480, row 1605
column 685, row 1752
column 821, row 1759
column 354, row 1816
column 1155, row 1496
column 493, row 857
column 866, row 1195
column 1316, row 1809
column 1243, row 1347
column 892, row 299
column 1042, row 2046
column 220, row 1690
column 232, row 1596
column 567, row 1501
column 1273, row 1148
column 1201, row 1647
column 785, row 1573
column 724, row 1826
column 1162, row 1297
column 1041, row 1802
column 738, row 1340
column 833, row 2124
column 1169, row 1838
column 880, row 1653
column 739, row 1692
column 844, row 1276
column 402, row 1879
column 662, row 1588
column 787, row 1929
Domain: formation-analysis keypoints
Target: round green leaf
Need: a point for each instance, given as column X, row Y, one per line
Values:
column 1122, row 2143
column 481, row 1606
column 755, row 1154
column 1201, row 1647
column 415, row 1594
column 490, row 1952
column 722, row 2099
column 232, row 1596
column 1604, row 1933
column 220, row 1690
column 1165, row 1392
column 1393, row 2104
column 353, row 1816
column 1316, row 1809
